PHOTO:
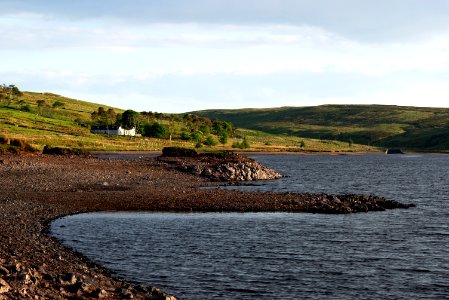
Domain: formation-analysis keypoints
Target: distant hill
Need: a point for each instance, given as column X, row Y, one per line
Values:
column 380, row 125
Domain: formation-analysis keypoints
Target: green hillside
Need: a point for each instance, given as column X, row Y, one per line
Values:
column 48, row 119
column 412, row 128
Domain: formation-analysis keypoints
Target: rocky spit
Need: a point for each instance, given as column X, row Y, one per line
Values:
column 37, row 189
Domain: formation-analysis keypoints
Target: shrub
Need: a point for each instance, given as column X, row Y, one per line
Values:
column 58, row 104
column 82, row 123
column 178, row 152
column 4, row 140
column 12, row 150
column 17, row 143
column 156, row 130
column 243, row 145
column 64, row 151
column 25, row 108
column 210, row 141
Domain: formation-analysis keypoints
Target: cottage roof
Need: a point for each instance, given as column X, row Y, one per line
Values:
column 102, row 127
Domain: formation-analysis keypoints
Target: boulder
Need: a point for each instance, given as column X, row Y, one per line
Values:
column 394, row 151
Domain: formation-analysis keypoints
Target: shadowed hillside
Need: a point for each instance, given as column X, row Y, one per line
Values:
column 382, row 125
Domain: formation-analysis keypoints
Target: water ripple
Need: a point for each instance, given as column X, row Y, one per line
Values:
column 398, row 254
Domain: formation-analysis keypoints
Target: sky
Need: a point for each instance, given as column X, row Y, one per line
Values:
column 177, row 56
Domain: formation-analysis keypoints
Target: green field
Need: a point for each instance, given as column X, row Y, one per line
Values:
column 412, row 128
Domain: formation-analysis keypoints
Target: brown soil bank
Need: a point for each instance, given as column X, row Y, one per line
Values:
column 38, row 189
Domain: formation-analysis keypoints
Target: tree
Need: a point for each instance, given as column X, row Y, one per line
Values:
column 111, row 116
column 223, row 138
column 156, row 130
column 245, row 144
column 130, row 119
column 101, row 111
column 302, row 144
column 58, row 104
column 9, row 93
column 94, row 116
column 196, row 136
column 41, row 105
column 204, row 129
column 219, row 127
column 15, row 91
column 185, row 136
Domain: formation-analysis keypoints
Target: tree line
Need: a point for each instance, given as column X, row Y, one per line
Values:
column 9, row 93
column 187, row 127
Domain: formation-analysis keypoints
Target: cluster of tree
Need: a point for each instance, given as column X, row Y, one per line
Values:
column 43, row 108
column 103, row 116
column 150, row 116
column 166, row 126
column 9, row 93
column 201, row 130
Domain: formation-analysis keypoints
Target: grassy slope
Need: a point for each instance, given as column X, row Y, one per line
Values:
column 388, row 126
column 57, row 127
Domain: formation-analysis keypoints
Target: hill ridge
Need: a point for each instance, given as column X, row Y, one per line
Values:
column 418, row 128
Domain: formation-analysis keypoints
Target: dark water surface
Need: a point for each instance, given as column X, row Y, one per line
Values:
column 397, row 254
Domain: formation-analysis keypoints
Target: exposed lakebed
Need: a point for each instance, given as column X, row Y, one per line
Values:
column 399, row 254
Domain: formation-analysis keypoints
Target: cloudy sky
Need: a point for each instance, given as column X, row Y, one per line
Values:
column 184, row 55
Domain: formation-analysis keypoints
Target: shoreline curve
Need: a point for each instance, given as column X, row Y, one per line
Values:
column 37, row 189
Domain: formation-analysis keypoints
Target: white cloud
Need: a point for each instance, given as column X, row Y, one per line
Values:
column 186, row 66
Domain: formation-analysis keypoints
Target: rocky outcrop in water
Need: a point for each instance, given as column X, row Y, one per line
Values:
column 233, row 167
column 394, row 151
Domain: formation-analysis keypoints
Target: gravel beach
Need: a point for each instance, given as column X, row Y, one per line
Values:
column 36, row 189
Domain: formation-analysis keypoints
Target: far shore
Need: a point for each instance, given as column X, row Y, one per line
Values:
column 306, row 153
column 36, row 189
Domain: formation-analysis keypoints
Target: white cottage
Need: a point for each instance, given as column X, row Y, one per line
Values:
column 114, row 130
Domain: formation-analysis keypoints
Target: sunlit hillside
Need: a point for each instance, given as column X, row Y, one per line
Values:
column 48, row 119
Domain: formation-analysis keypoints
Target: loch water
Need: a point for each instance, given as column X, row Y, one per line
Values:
column 395, row 254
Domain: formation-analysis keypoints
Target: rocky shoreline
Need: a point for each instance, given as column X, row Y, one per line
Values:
column 36, row 189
